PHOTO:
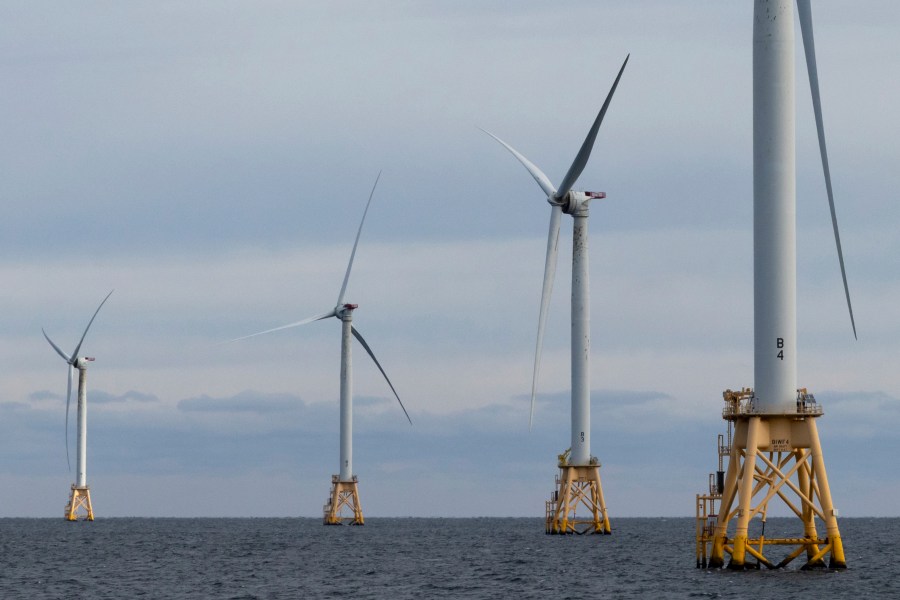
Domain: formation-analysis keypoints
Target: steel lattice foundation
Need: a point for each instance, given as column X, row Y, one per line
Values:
column 772, row 457
column 578, row 487
column 343, row 506
column 79, row 504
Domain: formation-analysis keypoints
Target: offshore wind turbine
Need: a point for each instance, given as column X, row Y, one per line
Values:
column 80, row 495
column 579, row 479
column 776, row 449
column 344, row 497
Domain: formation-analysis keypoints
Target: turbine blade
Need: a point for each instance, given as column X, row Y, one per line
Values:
column 359, row 337
column 582, row 157
column 546, row 292
column 68, row 397
column 65, row 356
column 535, row 172
column 340, row 299
column 809, row 46
column 330, row 313
column 78, row 347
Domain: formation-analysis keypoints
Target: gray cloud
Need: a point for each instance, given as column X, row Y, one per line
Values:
column 42, row 395
column 101, row 397
column 280, row 440
column 247, row 401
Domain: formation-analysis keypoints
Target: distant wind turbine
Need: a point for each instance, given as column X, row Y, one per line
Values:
column 80, row 497
column 345, row 493
column 577, row 463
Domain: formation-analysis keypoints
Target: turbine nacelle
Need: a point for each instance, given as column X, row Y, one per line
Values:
column 344, row 310
column 575, row 202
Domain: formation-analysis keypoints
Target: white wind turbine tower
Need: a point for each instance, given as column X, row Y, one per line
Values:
column 579, row 480
column 344, row 486
column 776, row 449
column 80, row 496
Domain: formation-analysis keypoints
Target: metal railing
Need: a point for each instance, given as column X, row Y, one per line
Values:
column 742, row 403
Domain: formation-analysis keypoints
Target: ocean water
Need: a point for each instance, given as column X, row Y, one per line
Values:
column 407, row 558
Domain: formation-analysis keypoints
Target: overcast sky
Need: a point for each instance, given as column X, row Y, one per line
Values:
column 211, row 160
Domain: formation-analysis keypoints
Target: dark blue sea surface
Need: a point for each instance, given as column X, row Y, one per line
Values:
column 407, row 558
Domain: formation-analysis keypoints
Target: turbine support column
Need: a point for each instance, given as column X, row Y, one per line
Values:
column 774, row 208
column 346, row 472
column 81, row 448
column 581, row 334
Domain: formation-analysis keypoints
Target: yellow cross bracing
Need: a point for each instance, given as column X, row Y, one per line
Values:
column 79, row 504
column 772, row 456
column 578, row 487
column 343, row 506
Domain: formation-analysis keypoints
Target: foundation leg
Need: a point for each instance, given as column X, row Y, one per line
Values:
column 357, row 507
column 599, row 502
column 809, row 517
column 566, row 491
column 745, row 496
column 831, row 526
column 717, row 554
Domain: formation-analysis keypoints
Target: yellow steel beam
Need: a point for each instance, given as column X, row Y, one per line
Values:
column 819, row 555
column 759, row 556
column 790, row 557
